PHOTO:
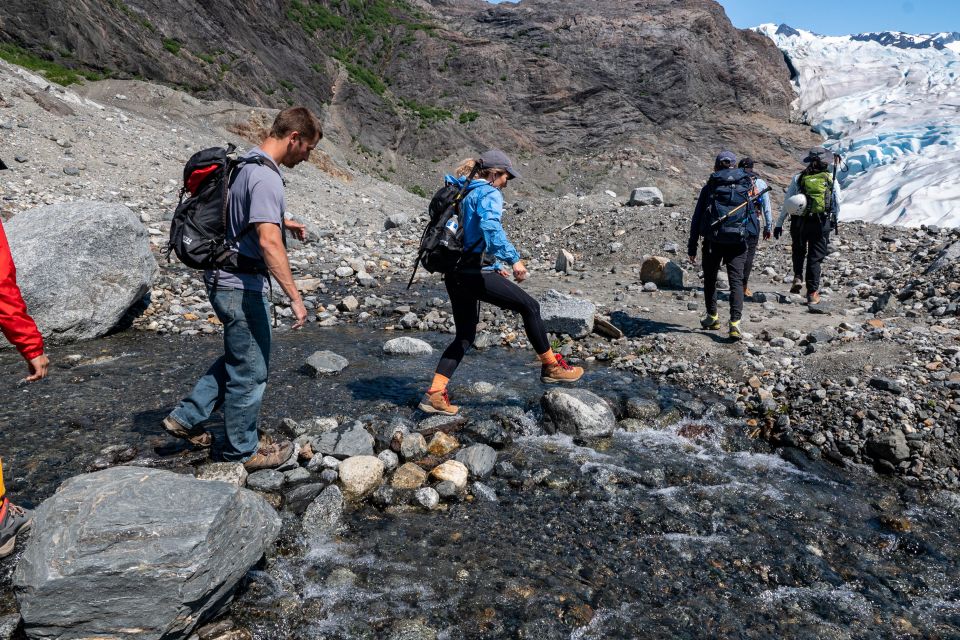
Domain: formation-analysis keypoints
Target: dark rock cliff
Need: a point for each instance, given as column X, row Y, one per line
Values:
column 599, row 91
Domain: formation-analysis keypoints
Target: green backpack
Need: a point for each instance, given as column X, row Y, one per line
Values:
column 818, row 188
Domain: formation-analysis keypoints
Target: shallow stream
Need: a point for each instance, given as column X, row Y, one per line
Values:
column 686, row 529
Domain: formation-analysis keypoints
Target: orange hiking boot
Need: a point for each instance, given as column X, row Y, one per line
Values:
column 438, row 402
column 813, row 297
column 560, row 372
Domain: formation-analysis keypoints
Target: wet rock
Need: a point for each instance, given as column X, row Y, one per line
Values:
column 8, row 626
column 479, row 459
column 385, row 496
column 891, row 446
column 662, row 272
column 359, row 476
column 447, row 490
column 642, row 408
column 329, row 476
column 440, row 422
column 442, row 444
column 645, row 196
column 427, row 497
column 297, row 475
column 567, row 315
column 349, row 304
column 230, row 472
column 406, row 346
column 484, row 492
column 110, row 264
column 200, row 545
column 578, row 412
column 344, row 441
column 886, row 384
column 488, row 432
column 389, row 459
column 324, row 516
column 267, row 480
column 326, row 362
column 411, row 630
column 453, row 471
column 408, row 476
column 364, row 279
column 413, row 446
column 300, row 497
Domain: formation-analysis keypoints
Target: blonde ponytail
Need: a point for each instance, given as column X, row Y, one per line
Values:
column 466, row 167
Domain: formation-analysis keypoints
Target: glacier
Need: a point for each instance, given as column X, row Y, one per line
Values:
column 891, row 111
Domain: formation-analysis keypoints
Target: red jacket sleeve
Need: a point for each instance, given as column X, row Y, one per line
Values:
column 18, row 327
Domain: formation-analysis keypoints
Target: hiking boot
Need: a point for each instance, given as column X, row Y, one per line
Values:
column 269, row 456
column 711, row 322
column 746, row 292
column 560, row 372
column 797, row 285
column 813, row 297
column 196, row 436
column 13, row 520
column 438, row 402
column 735, row 330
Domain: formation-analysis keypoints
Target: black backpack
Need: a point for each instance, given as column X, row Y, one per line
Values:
column 198, row 231
column 441, row 244
column 730, row 214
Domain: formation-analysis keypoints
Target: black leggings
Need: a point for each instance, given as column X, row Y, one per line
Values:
column 466, row 291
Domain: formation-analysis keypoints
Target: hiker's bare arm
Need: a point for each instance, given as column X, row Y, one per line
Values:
column 275, row 255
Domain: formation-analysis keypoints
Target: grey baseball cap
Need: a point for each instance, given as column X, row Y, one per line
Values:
column 819, row 153
column 496, row 159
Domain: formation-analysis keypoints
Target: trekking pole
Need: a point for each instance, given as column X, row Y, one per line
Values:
column 740, row 206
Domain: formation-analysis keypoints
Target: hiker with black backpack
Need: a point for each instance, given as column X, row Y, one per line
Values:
column 726, row 220
column 466, row 242
column 813, row 203
column 233, row 226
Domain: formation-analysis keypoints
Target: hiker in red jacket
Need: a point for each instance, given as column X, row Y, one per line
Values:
column 20, row 329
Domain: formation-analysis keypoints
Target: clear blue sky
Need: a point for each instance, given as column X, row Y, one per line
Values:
column 841, row 17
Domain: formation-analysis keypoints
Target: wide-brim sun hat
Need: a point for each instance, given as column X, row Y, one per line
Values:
column 497, row 159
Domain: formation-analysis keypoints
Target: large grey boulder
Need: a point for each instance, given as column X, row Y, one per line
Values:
column 324, row 362
column 406, row 346
column 565, row 314
column 644, row 196
column 80, row 266
column 129, row 549
column 578, row 412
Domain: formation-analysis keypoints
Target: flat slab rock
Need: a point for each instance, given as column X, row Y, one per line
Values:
column 406, row 346
column 158, row 565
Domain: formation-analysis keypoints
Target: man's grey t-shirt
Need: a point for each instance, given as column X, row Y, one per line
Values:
column 255, row 196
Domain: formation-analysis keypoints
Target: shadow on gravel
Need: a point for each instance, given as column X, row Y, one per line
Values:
column 634, row 327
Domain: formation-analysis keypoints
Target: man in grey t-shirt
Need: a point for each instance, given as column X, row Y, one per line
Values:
column 237, row 380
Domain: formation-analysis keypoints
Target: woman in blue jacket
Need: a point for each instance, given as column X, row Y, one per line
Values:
column 484, row 277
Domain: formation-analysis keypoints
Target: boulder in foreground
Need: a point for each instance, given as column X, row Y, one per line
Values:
column 578, row 412
column 132, row 552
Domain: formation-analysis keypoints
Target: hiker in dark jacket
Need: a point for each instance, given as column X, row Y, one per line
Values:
column 812, row 202
column 484, row 277
column 732, row 254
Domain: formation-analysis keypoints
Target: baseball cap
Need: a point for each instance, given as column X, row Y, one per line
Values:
column 819, row 153
column 726, row 156
column 497, row 159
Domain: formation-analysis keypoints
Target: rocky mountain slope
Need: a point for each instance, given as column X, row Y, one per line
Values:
column 601, row 95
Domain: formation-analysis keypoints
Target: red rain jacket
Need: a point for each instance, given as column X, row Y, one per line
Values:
column 17, row 326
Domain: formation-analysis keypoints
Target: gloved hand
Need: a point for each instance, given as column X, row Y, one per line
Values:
column 777, row 233
column 766, row 233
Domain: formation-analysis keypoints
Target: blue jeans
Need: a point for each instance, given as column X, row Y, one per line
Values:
column 237, row 380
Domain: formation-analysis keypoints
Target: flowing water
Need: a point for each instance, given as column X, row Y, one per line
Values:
column 686, row 529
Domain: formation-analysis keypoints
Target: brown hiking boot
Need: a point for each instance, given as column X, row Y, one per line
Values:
column 196, row 436
column 560, row 372
column 269, row 456
column 813, row 297
column 797, row 285
column 438, row 402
